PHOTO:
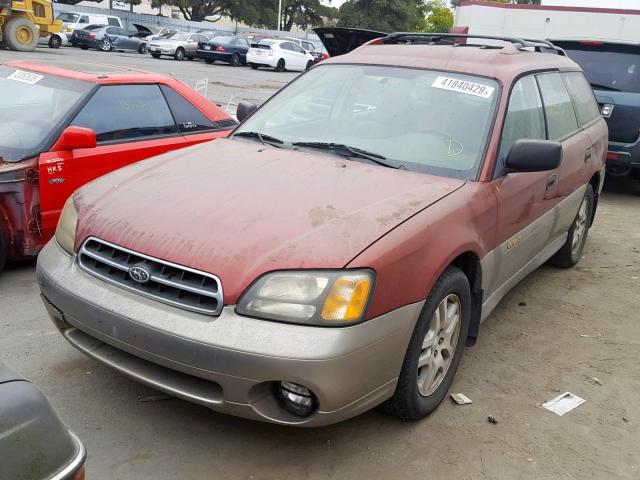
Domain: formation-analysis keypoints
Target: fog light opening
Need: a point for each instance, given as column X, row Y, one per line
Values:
column 296, row 399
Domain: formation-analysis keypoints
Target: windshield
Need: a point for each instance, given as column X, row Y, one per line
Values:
column 32, row 107
column 609, row 66
column 419, row 120
column 68, row 17
column 180, row 37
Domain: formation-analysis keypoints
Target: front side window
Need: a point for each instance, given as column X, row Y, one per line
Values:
column 420, row 120
column 524, row 119
column 561, row 118
column 127, row 112
column 582, row 96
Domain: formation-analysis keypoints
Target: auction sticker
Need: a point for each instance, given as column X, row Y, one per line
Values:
column 463, row 86
column 25, row 77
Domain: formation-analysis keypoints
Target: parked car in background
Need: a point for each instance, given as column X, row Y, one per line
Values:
column 161, row 33
column 108, row 38
column 60, row 128
column 72, row 21
column 55, row 40
column 231, row 50
column 613, row 70
column 279, row 54
column 340, row 40
column 180, row 45
column 34, row 442
column 315, row 49
column 341, row 248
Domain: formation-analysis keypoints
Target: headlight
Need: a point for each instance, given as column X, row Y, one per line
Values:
column 66, row 229
column 320, row 297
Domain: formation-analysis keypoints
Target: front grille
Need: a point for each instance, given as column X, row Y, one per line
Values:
column 167, row 282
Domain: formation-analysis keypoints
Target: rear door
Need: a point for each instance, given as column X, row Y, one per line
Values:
column 132, row 122
column 300, row 56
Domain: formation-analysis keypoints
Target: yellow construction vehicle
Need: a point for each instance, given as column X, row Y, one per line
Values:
column 22, row 22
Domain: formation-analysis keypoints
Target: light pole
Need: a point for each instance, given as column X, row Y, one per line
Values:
column 279, row 13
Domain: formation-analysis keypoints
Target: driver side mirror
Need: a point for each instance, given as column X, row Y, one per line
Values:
column 75, row 137
column 534, row 156
column 245, row 109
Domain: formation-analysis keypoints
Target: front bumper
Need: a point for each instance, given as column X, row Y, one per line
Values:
column 227, row 363
column 162, row 50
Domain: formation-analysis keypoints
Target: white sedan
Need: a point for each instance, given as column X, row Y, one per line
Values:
column 279, row 54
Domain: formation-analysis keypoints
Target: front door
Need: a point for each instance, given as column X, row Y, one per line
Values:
column 132, row 122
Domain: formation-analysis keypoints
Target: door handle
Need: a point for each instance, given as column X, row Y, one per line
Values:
column 587, row 156
column 551, row 181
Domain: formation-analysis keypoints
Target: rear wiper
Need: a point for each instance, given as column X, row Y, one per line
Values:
column 605, row 87
column 263, row 137
column 342, row 149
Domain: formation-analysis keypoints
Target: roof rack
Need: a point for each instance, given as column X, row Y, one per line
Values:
column 543, row 46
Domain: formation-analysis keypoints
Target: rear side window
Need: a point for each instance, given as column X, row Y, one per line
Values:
column 561, row 118
column 113, row 21
column 582, row 96
column 127, row 112
column 188, row 117
column 525, row 117
column 83, row 19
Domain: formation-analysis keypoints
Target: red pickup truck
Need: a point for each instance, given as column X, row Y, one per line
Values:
column 63, row 127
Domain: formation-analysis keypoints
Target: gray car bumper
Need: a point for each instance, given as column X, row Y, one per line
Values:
column 228, row 363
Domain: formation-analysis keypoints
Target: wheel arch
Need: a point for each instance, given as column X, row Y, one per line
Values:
column 469, row 262
column 595, row 182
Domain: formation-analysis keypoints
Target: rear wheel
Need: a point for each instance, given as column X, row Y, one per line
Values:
column 209, row 60
column 179, row 55
column 309, row 65
column 21, row 35
column 155, row 55
column 571, row 251
column 435, row 348
column 3, row 249
column 55, row 41
column 84, row 47
column 280, row 66
column 235, row 60
column 254, row 66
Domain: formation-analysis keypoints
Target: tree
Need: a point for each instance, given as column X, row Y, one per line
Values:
column 436, row 17
column 381, row 15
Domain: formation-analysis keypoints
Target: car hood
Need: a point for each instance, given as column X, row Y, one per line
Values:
column 338, row 41
column 238, row 209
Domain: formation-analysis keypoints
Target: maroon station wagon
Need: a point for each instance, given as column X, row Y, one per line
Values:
column 342, row 247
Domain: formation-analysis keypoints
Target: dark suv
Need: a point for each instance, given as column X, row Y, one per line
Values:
column 613, row 70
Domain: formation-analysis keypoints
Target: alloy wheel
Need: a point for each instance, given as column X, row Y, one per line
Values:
column 580, row 227
column 439, row 344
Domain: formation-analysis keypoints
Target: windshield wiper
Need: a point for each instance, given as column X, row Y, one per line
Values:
column 263, row 137
column 346, row 150
column 604, row 87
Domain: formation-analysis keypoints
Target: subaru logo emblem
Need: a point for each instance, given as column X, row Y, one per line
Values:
column 139, row 274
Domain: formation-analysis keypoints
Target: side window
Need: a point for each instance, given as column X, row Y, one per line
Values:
column 297, row 48
column 286, row 46
column 113, row 21
column 524, row 119
column 112, row 31
column 83, row 19
column 188, row 117
column 561, row 118
column 582, row 96
column 127, row 112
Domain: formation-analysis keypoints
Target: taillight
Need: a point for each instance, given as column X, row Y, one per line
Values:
column 325, row 56
column 91, row 36
column 612, row 156
column 219, row 48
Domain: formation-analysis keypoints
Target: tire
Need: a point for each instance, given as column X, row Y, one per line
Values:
column 209, row 60
column 55, row 41
column 84, row 47
column 105, row 45
column 414, row 399
column 142, row 49
column 179, row 55
column 235, row 60
column 155, row 55
column 3, row 249
column 571, row 251
column 280, row 66
column 254, row 66
column 309, row 65
column 21, row 35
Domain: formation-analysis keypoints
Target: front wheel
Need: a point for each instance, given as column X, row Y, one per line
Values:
column 3, row 249
column 55, row 41
column 280, row 66
column 435, row 348
column 571, row 251
column 105, row 45
column 209, row 60
column 235, row 60
column 142, row 48
column 155, row 55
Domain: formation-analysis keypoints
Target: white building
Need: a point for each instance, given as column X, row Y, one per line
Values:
column 547, row 21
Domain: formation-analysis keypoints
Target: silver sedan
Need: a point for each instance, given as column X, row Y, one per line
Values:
column 181, row 45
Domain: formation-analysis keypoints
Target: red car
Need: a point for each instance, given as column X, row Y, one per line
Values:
column 61, row 128
column 350, row 237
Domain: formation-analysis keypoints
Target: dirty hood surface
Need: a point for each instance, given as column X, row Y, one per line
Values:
column 238, row 209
